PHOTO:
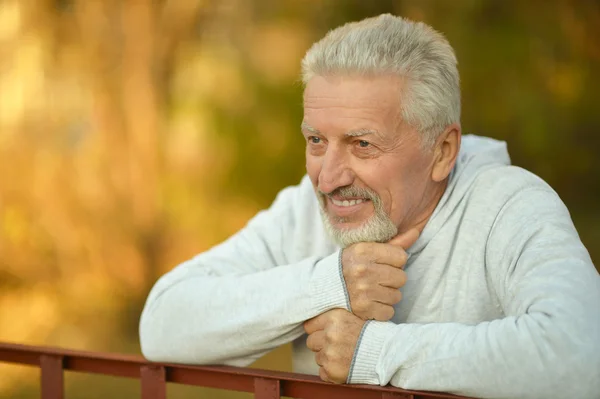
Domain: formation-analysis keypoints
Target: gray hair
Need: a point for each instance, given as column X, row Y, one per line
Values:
column 412, row 50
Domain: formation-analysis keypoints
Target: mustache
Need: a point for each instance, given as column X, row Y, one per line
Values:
column 351, row 192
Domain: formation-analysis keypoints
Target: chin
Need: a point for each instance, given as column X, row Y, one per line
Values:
column 342, row 224
column 372, row 229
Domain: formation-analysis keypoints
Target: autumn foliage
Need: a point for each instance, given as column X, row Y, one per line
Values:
column 135, row 134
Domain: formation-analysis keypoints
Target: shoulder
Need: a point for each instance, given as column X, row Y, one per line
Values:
column 297, row 199
column 484, row 176
column 525, row 211
column 509, row 203
column 505, row 184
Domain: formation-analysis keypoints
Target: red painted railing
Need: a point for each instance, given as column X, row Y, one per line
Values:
column 154, row 376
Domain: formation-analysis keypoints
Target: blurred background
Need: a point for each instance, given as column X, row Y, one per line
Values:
column 135, row 134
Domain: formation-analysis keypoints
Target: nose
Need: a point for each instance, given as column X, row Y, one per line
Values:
column 335, row 171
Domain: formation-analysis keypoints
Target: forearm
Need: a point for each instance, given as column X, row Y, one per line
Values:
column 236, row 318
column 515, row 357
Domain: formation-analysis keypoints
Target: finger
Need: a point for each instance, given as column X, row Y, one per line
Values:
column 380, row 312
column 386, row 295
column 406, row 239
column 320, row 358
column 316, row 323
column 323, row 374
column 387, row 254
column 392, row 277
column 316, row 341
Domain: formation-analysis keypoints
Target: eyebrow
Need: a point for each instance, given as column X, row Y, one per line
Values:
column 360, row 132
column 351, row 133
column 306, row 126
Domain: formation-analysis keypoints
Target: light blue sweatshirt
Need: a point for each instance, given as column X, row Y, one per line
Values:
column 502, row 298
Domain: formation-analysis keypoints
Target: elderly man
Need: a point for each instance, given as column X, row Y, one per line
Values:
column 408, row 254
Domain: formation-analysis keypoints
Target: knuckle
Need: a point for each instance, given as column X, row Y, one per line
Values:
column 362, row 288
column 359, row 270
column 333, row 328
column 329, row 336
column 363, row 304
column 360, row 249
column 326, row 355
column 331, row 355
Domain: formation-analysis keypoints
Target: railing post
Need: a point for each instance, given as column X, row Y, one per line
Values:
column 52, row 382
column 154, row 382
column 265, row 388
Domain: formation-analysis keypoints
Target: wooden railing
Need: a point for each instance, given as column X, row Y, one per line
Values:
column 154, row 376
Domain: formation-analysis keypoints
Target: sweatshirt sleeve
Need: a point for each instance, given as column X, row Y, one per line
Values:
column 235, row 302
column 548, row 343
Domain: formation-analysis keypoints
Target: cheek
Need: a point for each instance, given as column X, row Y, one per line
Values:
column 406, row 191
column 313, row 168
column 390, row 184
column 397, row 200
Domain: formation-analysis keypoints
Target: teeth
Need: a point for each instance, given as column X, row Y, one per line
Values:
column 346, row 202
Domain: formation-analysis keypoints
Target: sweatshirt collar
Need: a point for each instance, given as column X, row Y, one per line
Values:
column 476, row 155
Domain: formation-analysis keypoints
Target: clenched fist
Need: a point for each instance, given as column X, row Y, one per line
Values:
column 373, row 274
column 333, row 336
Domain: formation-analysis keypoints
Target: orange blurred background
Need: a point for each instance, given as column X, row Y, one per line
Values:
column 135, row 134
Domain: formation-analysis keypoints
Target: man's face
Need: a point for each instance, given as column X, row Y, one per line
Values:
column 367, row 166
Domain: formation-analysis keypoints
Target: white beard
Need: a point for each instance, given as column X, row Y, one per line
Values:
column 378, row 228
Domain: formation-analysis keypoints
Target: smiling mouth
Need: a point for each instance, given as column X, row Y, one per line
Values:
column 348, row 203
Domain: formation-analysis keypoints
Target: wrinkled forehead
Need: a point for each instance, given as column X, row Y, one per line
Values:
column 353, row 102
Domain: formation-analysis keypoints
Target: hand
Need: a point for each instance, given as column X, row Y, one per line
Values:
column 373, row 274
column 332, row 336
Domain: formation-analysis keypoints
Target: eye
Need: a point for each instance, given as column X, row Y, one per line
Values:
column 363, row 144
column 314, row 140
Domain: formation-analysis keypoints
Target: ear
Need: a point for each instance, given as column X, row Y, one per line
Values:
column 446, row 151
